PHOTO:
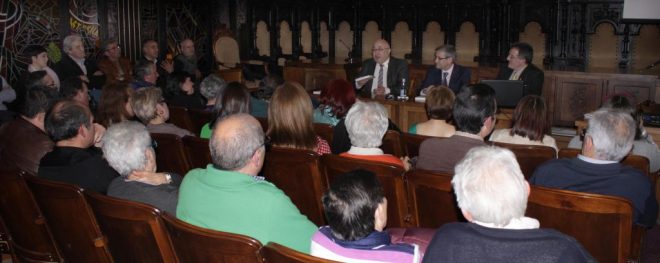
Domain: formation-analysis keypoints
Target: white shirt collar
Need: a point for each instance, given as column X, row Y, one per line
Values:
column 365, row 151
column 516, row 223
column 594, row 161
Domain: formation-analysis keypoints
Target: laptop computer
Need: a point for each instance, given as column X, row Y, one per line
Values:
column 507, row 92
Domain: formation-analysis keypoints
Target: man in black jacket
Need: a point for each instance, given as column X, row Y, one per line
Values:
column 382, row 74
column 520, row 67
column 75, row 64
column 445, row 72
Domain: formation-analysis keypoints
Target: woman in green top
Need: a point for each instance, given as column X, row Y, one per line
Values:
column 235, row 99
column 439, row 104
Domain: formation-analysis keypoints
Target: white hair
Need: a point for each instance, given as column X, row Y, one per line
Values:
column 612, row 132
column 67, row 43
column 366, row 123
column 490, row 186
column 125, row 145
column 212, row 87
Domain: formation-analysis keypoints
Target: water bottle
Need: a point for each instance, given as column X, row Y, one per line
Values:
column 402, row 93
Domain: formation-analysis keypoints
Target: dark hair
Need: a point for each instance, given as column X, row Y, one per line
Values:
column 143, row 68
column 268, row 85
column 235, row 99
column 146, row 41
column 65, row 119
column 112, row 106
column 35, row 78
column 290, row 118
column 530, row 118
column 339, row 96
column 473, row 105
column 439, row 103
column 174, row 82
column 524, row 51
column 350, row 204
column 622, row 102
column 70, row 87
column 34, row 50
column 38, row 99
column 449, row 50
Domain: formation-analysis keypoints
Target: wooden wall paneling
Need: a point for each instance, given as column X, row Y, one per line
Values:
column 324, row 36
column 575, row 96
column 411, row 113
column 285, row 38
column 306, row 37
column 416, row 75
column 603, row 47
column 433, row 37
column 343, row 41
column 467, row 39
column 401, row 40
column 639, row 87
column 536, row 38
column 129, row 28
column 262, row 39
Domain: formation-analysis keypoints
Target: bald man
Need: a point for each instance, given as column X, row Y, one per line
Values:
column 388, row 73
column 186, row 61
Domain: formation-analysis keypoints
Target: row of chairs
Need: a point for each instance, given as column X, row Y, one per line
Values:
column 59, row 222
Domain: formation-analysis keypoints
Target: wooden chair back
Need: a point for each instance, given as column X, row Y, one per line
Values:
column 31, row 239
column 199, row 118
column 179, row 116
column 431, row 199
column 324, row 130
column 71, row 220
column 196, row 244
column 135, row 231
column 390, row 176
column 392, row 144
column 529, row 156
column 170, row 154
column 197, row 151
column 576, row 214
column 231, row 75
column 297, row 173
column 412, row 143
column 276, row 253
column 637, row 161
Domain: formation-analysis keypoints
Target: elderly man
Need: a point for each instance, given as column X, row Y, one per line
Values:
column 74, row 64
column 146, row 75
column 211, row 89
column 520, row 67
column 228, row 195
column 474, row 117
column 75, row 159
column 150, row 53
column 446, row 72
column 381, row 75
column 128, row 149
column 366, row 123
column 609, row 139
column 115, row 67
column 24, row 141
column 492, row 195
column 186, row 61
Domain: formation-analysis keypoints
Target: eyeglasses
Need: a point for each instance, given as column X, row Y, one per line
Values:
column 438, row 58
column 379, row 49
column 113, row 48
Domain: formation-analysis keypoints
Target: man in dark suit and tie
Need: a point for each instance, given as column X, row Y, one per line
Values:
column 445, row 73
column 521, row 68
column 388, row 73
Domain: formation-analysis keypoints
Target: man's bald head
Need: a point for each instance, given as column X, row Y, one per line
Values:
column 235, row 140
column 381, row 51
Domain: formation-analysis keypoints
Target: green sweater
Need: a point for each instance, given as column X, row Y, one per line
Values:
column 238, row 203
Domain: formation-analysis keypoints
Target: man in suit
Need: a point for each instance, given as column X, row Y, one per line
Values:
column 150, row 53
column 388, row 73
column 74, row 64
column 521, row 68
column 445, row 72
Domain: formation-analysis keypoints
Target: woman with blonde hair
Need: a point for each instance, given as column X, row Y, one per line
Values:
column 290, row 120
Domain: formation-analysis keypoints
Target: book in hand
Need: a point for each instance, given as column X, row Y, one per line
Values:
column 363, row 78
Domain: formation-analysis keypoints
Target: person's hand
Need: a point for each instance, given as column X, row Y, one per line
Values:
column 99, row 131
column 406, row 163
column 148, row 177
column 380, row 91
column 84, row 78
column 167, row 66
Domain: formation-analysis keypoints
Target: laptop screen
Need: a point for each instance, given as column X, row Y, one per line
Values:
column 507, row 92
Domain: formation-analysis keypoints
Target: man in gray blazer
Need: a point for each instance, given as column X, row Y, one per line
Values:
column 387, row 73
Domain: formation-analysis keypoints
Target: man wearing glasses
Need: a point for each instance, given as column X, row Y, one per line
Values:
column 115, row 67
column 445, row 73
column 520, row 67
column 381, row 75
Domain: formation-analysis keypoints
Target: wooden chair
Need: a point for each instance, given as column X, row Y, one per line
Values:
column 276, row 253
column 231, row 75
column 179, row 116
column 529, row 156
column 170, row 154
column 31, row 239
column 431, row 199
column 297, row 173
column 71, row 220
column 135, row 231
column 602, row 224
column 199, row 118
column 390, row 176
column 197, row 151
column 392, row 144
column 324, row 130
column 412, row 143
column 196, row 244
column 637, row 161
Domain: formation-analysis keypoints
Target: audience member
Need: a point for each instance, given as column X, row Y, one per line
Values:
column 609, row 139
column 146, row 75
column 186, row 61
column 530, row 124
column 520, row 67
column 150, row 53
column 115, row 105
column 446, row 72
column 181, row 91
column 75, row 89
column 127, row 148
column 439, row 103
column 39, row 78
column 235, row 99
column 492, row 194
column 337, row 97
column 259, row 100
column 387, row 73
column 115, row 67
column 75, row 64
column 39, row 61
column 474, row 116
column 150, row 107
column 228, row 196
column 290, row 120
column 24, row 141
column 366, row 123
column 211, row 89
column 7, row 95
column 356, row 209
column 74, row 158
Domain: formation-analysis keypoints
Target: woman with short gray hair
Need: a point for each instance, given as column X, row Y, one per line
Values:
column 211, row 89
column 150, row 107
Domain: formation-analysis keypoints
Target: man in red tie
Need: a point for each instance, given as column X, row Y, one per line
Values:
column 382, row 74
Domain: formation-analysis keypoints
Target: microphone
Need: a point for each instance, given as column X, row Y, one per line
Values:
column 350, row 51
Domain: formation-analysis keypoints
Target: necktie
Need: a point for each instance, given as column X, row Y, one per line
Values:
column 444, row 79
column 514, row 75
column 380, row 75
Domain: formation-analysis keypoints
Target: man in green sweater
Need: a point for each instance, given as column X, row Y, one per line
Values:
column 229, row 196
